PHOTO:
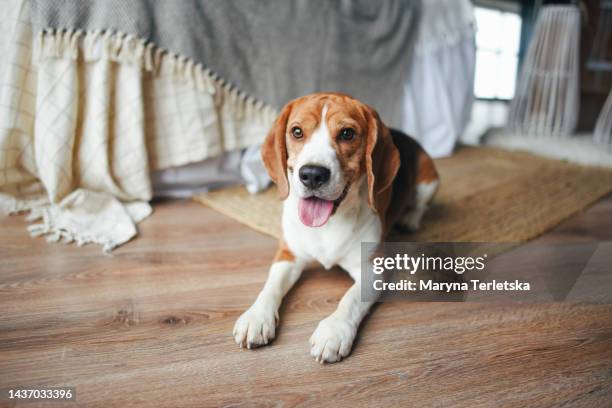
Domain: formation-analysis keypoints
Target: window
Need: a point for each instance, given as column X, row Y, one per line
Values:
column 497, row 45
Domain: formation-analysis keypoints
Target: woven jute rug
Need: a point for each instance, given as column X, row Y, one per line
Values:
column 486, row 195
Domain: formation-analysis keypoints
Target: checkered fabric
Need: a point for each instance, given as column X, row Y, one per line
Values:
column 85, row 118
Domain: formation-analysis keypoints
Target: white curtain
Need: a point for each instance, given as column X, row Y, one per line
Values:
column 439, row 91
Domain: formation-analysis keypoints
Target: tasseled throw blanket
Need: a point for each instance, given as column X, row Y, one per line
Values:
column 97, row 94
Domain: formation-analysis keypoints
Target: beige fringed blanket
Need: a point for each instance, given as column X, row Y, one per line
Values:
column 94, row 96
column 85, row 117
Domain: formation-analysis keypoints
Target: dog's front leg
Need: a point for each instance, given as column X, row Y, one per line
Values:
column 333, row 338
column 257, row 326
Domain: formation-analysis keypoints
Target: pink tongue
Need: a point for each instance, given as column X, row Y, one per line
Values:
column 314, row 211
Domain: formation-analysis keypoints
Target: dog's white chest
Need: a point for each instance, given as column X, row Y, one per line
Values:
column 331, row 243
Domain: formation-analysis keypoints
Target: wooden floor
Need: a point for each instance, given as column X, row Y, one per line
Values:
column 150, row 325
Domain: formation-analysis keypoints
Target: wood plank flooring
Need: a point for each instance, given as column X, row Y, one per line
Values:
column 150, row 325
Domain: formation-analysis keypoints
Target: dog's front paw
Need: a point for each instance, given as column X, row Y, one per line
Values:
column 255, row 327
column 332, row 340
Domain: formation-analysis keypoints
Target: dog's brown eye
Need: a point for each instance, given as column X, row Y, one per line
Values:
column 297, row 132
column 347, row 134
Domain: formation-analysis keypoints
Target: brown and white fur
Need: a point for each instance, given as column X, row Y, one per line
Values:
column 377, row 178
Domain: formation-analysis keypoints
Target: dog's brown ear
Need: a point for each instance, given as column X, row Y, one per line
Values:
column 382, row 161
column 274, row 152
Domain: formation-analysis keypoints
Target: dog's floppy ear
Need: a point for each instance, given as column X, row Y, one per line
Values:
column 382, row 160
column 274, row 152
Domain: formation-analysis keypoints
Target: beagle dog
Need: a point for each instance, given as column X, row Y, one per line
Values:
column 345, row 178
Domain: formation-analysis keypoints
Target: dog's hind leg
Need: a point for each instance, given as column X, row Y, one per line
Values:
column 427, row 183
column 411, row 219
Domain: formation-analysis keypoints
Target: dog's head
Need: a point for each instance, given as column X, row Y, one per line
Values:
column 322, row 145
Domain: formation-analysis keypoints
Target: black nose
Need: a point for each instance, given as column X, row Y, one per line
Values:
column 314, row 177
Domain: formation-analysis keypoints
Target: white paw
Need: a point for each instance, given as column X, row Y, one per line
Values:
column 412, row 220
column 255, row 327
column 332, row 340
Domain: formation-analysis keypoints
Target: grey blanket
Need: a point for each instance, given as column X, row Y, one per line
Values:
column 272, row 50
